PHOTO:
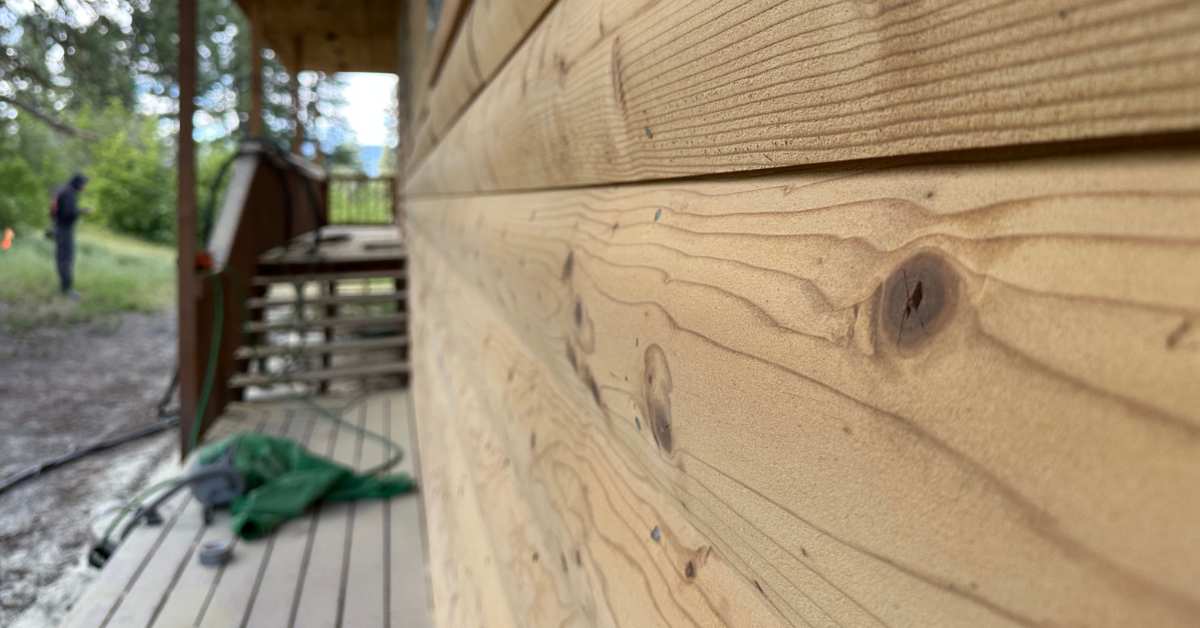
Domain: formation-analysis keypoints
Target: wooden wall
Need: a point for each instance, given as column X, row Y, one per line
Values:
column 953, row 382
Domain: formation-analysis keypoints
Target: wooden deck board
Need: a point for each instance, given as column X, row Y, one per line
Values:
column 233, row 593
column 408, row 581
column 321, row 594
column 338, row 559
column 366, row 583
column 365, row 244
column 272, row 606
column 123, row 571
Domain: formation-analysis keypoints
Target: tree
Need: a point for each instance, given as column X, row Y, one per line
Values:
column 20, row 204
column 133, row 181
column 345, row 158
column 57, row 60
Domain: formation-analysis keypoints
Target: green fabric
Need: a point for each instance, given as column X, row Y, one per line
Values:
column 283, row 480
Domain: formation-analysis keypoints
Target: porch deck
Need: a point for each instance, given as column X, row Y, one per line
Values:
column 342, row 244
column 355, row 564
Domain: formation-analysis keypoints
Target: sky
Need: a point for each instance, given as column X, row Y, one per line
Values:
column 368, row 97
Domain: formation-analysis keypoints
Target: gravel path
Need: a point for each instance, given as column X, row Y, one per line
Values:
column 60, row 388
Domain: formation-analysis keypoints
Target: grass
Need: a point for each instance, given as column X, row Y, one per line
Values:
column 115, row 274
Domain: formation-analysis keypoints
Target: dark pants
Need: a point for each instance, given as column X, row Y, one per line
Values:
column 64, row 254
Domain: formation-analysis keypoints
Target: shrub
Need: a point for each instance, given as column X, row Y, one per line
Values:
column 132, row 185
column 22, row 202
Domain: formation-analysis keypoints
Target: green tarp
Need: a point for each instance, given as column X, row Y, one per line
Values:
column 283, row 480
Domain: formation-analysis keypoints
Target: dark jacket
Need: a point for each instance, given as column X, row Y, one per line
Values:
column 67, row 203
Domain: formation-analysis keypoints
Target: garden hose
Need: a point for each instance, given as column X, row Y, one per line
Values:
column 214, row 353
column 103, row 549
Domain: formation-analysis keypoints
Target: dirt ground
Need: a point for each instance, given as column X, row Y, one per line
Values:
column 62, row 387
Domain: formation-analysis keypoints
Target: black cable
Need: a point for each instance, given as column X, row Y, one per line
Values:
column 163, row 412
column 37, row 469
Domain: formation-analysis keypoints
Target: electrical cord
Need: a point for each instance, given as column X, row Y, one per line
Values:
column 37, row 469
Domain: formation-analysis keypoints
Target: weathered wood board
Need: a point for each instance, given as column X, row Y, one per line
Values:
column 961, row 394
column 618, row 90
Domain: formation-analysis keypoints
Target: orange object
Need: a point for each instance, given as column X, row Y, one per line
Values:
column 204, row 260
column 7, row 241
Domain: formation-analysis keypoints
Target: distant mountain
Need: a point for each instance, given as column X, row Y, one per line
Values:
column 370, row 159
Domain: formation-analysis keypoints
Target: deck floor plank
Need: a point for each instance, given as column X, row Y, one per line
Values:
column 321, row 594
column 345, row 564
column 187, row 601
column 122, row 571
column 231, row 598
column 408, row 578
column 138, row 608
column 272, row 606
column 366, row 594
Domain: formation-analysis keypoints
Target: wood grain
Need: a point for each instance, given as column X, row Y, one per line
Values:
column 491, row 32
column 449, row 23
column 951, row 395
column 355, row 36
column 608, row 90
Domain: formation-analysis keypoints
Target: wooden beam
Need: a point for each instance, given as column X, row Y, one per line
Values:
column 190, row 362
column 342, row 19
column 959, row 394
column 256, row 69
column 608, row 90
column 348, row 54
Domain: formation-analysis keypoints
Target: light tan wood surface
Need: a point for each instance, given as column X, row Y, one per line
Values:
column 614, row 90
column 491, row 32
column 449, row 23
column 334, row 566
column 961, row 394
column 355, row 36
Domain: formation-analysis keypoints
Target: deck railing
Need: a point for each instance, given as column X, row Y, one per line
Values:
column 361, row 200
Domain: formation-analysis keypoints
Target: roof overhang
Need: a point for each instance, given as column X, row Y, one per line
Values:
column 331, row 35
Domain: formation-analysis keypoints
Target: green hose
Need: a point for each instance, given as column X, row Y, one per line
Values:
column 130, row 505
column 213, row 354
column 397, row 453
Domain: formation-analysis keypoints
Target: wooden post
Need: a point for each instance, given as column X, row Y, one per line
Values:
column 297, row 59
column 189, row 366
column 403, row 141
column 256, row 71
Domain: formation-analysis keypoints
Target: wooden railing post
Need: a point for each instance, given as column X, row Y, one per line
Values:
column 189, row 364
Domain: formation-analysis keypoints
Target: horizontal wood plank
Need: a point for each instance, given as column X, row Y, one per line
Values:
column 350, row 346
column 491, row 32
column 609, row 91
column 941, row 395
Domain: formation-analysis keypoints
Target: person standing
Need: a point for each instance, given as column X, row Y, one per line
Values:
column 66, row 212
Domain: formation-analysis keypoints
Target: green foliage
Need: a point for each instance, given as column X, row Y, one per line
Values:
column 114, row 274
column 133, row 184
column 346, row 158
column 20, row 204
column 109, row 68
